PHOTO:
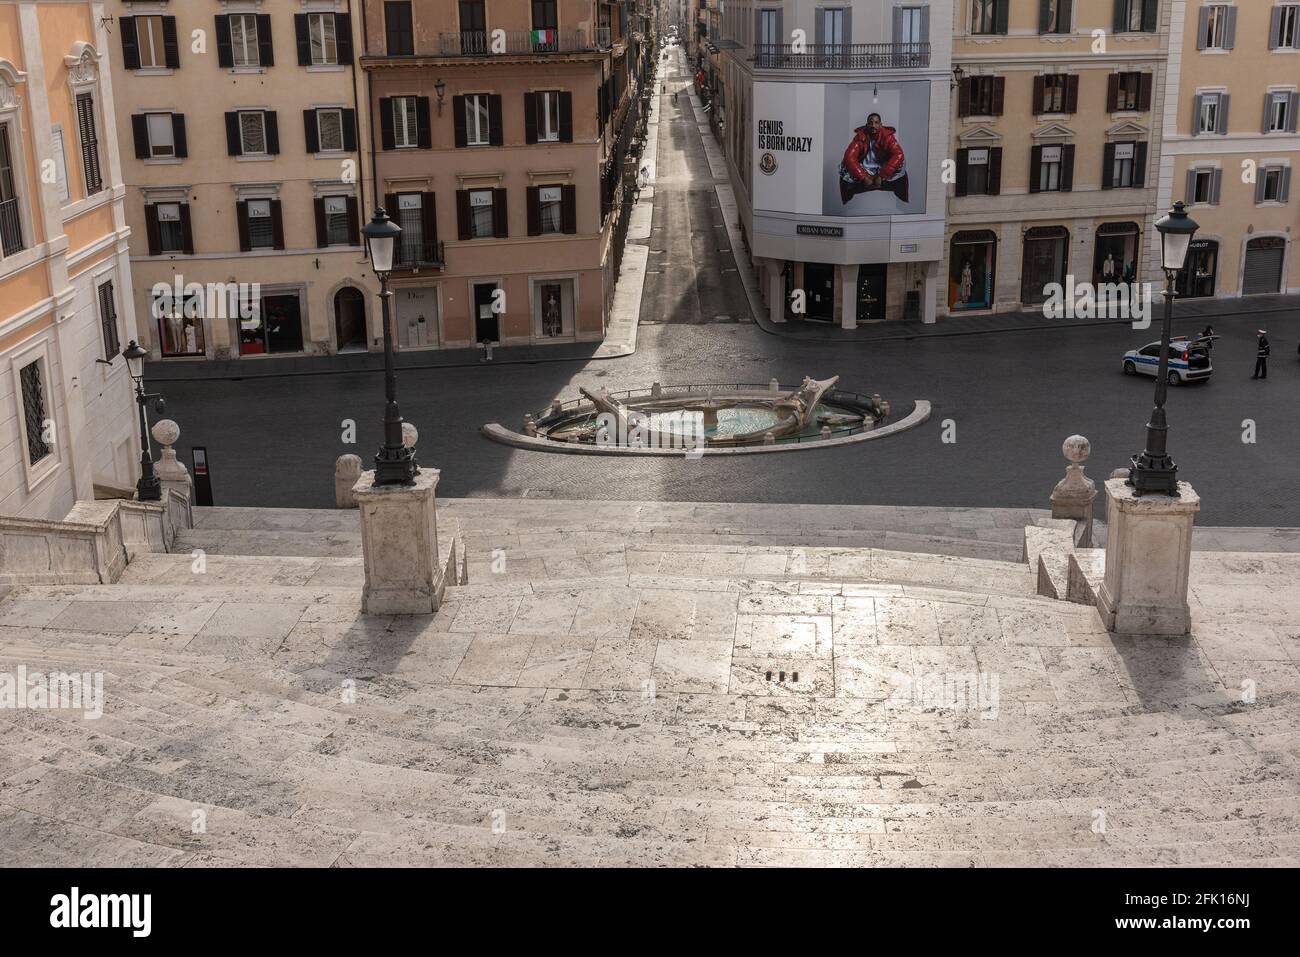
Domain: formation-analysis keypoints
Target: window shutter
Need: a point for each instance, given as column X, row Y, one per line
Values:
column 343, row 36
column 423, row 129
column 1072, row 93
column 1067, row 167
column 1203, row 28
column 458, row 120
column 1230, row 36
column 350, row 130
column 462, row 214
column 963, row 167
column 1140, row 165
column 925, row 23
column 187, row 234
column 1268, row 102
column 89, row 143
column 999, row 94
column 569, row 209
column 390, row 207
column 241, row 216
column 130, row 45
column 1259, row 189
column 277, row 225
column 313, row 131
column 1149, row 11
column 566, row 117
column 1000, row 16
column 1067, row 15
column 530, row 117
column 272, row 132
column 898, row 25
column 225, row 55
column 494, row 119
column 322, row 234
column 848, row 29
column 265, row 51
column 995, row 171
column 1274, row 28
column 819, row 31
column 1284, row 187
column 151, row 229
column 429, row 222
column 1040, row 88
column 171, row 49
column 1144, row 91
column 1044, row 15
column 964, row 96
column 354, row 222
column 140, row 133
column 233, row 146
column 388, row 139
column 1224, row 103
column 1196, row 115
column 534, row 211
column 500, row 225
column 178, row 135
column 1108, row 167
column 1189, row 191
column 1112, row 93
column 1035, row 169
column 300, row 28
column 1117, row 20
column 1216, row 185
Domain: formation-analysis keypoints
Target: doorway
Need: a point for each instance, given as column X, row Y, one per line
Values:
column 487, row 323
column 275, row 326
column 819, row 284
column 1265, row 257
column 350, row 320
column 871, row 291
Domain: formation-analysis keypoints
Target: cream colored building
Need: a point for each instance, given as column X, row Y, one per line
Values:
column 1230, row 143
column 1057, row 132
column 241, row 126
column 67, row 416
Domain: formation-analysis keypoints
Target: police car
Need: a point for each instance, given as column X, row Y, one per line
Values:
column 1189, row 360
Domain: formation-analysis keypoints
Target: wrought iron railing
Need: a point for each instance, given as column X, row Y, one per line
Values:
column 487, row 42
column 11, row 227
column 841, row 56
column 422, row 255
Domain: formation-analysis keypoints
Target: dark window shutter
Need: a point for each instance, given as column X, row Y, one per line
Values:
column 963, row 170
column 277, row 225
column 1001, row 15
column 999, row 94
column 322, row 234
column 233, row 144
column 187, row 233
column 964, row 96
column 350, row 130
column 494, row 120
column 500, row 222
column 1108, row 167
column 241, row 216
column 343, row 36
column 534, row 211
column 1072, row 93
column 225, row 55
column 1149, row 11
column 429, row 220
column 178, row 135
column 388, row 139
column 151, row 229
column 140, row 133
column 530, row 118
column 458, row 120
column 1144, row 91
column 462, row 214
column 272, row 132
column 354, row 222
column 1044, row 6
column 1040, row 87
column 265, row 51
column 171, row 49
column 569, row 209
column 1117, row 21
column 1035, row 169
column 301, row 35
column 1112, row 93
column 1067, row 167
column 424, row 131
column 390, row 207
column 130, row 45
column 566, row 117
column 313, row 131
column 995, row 170
column 1140, row 164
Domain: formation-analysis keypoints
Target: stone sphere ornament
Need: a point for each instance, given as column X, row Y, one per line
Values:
column 1076, row 449
column 410, row 435
column 166, row 432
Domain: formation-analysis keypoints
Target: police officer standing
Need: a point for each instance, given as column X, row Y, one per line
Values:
column 1261, row 356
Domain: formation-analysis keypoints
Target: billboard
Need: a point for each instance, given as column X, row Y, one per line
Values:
column 842, row 149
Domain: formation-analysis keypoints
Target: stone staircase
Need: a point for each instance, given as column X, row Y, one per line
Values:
column 617, row 685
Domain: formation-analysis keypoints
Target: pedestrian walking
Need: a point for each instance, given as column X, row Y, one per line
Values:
column 1208, row 336
column 1261, row 356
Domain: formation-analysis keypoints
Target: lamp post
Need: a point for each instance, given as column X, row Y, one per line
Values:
column 1154, row 469
column 394, row 463
column 148, row 488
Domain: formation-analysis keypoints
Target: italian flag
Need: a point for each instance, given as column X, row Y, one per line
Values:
column 543, row 36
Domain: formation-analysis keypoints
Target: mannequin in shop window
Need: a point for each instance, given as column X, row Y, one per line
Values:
column 551, row 323
column 967, row 286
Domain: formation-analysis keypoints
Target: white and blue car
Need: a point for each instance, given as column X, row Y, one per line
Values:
column 1189, row 360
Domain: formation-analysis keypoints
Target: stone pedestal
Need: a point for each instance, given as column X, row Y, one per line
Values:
column 347, row 472
column 1148, row 558
column 399, row 544
column 1074, row 494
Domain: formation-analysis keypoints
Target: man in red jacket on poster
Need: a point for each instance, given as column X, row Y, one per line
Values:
column 873, row 160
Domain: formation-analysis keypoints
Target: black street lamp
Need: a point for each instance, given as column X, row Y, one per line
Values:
column 148, row 488
column 1154, row 470
column 394, row 463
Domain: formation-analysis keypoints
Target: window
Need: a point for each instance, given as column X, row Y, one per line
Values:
column 11, row 228
column 1135, row 16
column 984, row 100
column 399, row 36
column 1122, row 165
column 149, row 40
column 545, row 21
column 1286, row 27
column 320, row 30
column 911, row 25
column 406, row 130
column 252, row 133
column 769, row 28
column 549, row 208
column 161, row 140
column 171, row 235
column 481, row 220
column 243, row 39
column 977, row 172
column 473, row 27
column 1209, row 116
column 337, row 231
column 983, row 16
column 1053, row 16
column 1054, row 92
column 1217, row 27
column 1270, row 190
column 477, row 127
column 410, row 216
column 261, row 233
column 1049, row 169
column 1203, row 187
column 108, row 320
column 1128, row 91
column 33, row 396
column 548, row 116
column 1278, row 113
column 329, row 126
column 89, row 142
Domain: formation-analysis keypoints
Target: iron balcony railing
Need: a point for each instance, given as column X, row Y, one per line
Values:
column 419, row 255
column 484, row 43
column 841, row 56
column 11, row 227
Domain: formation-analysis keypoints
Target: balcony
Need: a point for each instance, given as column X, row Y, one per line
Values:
column 415, row 256
column 11, row 229
column 842, row 56
column 480, row 42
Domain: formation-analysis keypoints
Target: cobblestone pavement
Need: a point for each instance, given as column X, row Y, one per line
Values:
column 1010, row 398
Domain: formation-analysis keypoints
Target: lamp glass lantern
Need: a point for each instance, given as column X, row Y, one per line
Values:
column 1176, row 229
column 381, row 239
column 135, row 355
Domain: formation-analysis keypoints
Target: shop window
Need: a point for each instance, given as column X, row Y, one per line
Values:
column 274, row 327
column 972, row 262
column 1197, row 277
column 36, row 426
column 1115, row 258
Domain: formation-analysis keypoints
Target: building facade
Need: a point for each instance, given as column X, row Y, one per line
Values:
column 1230, row 143
column 501, row 139
column 241, row 124
column 1057, row 133
column 67, row 415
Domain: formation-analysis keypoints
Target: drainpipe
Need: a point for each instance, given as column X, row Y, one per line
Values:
column 365, row 45
column 356, row 106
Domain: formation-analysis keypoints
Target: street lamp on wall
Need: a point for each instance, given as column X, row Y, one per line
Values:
column 440, row 88
column 148, row 488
